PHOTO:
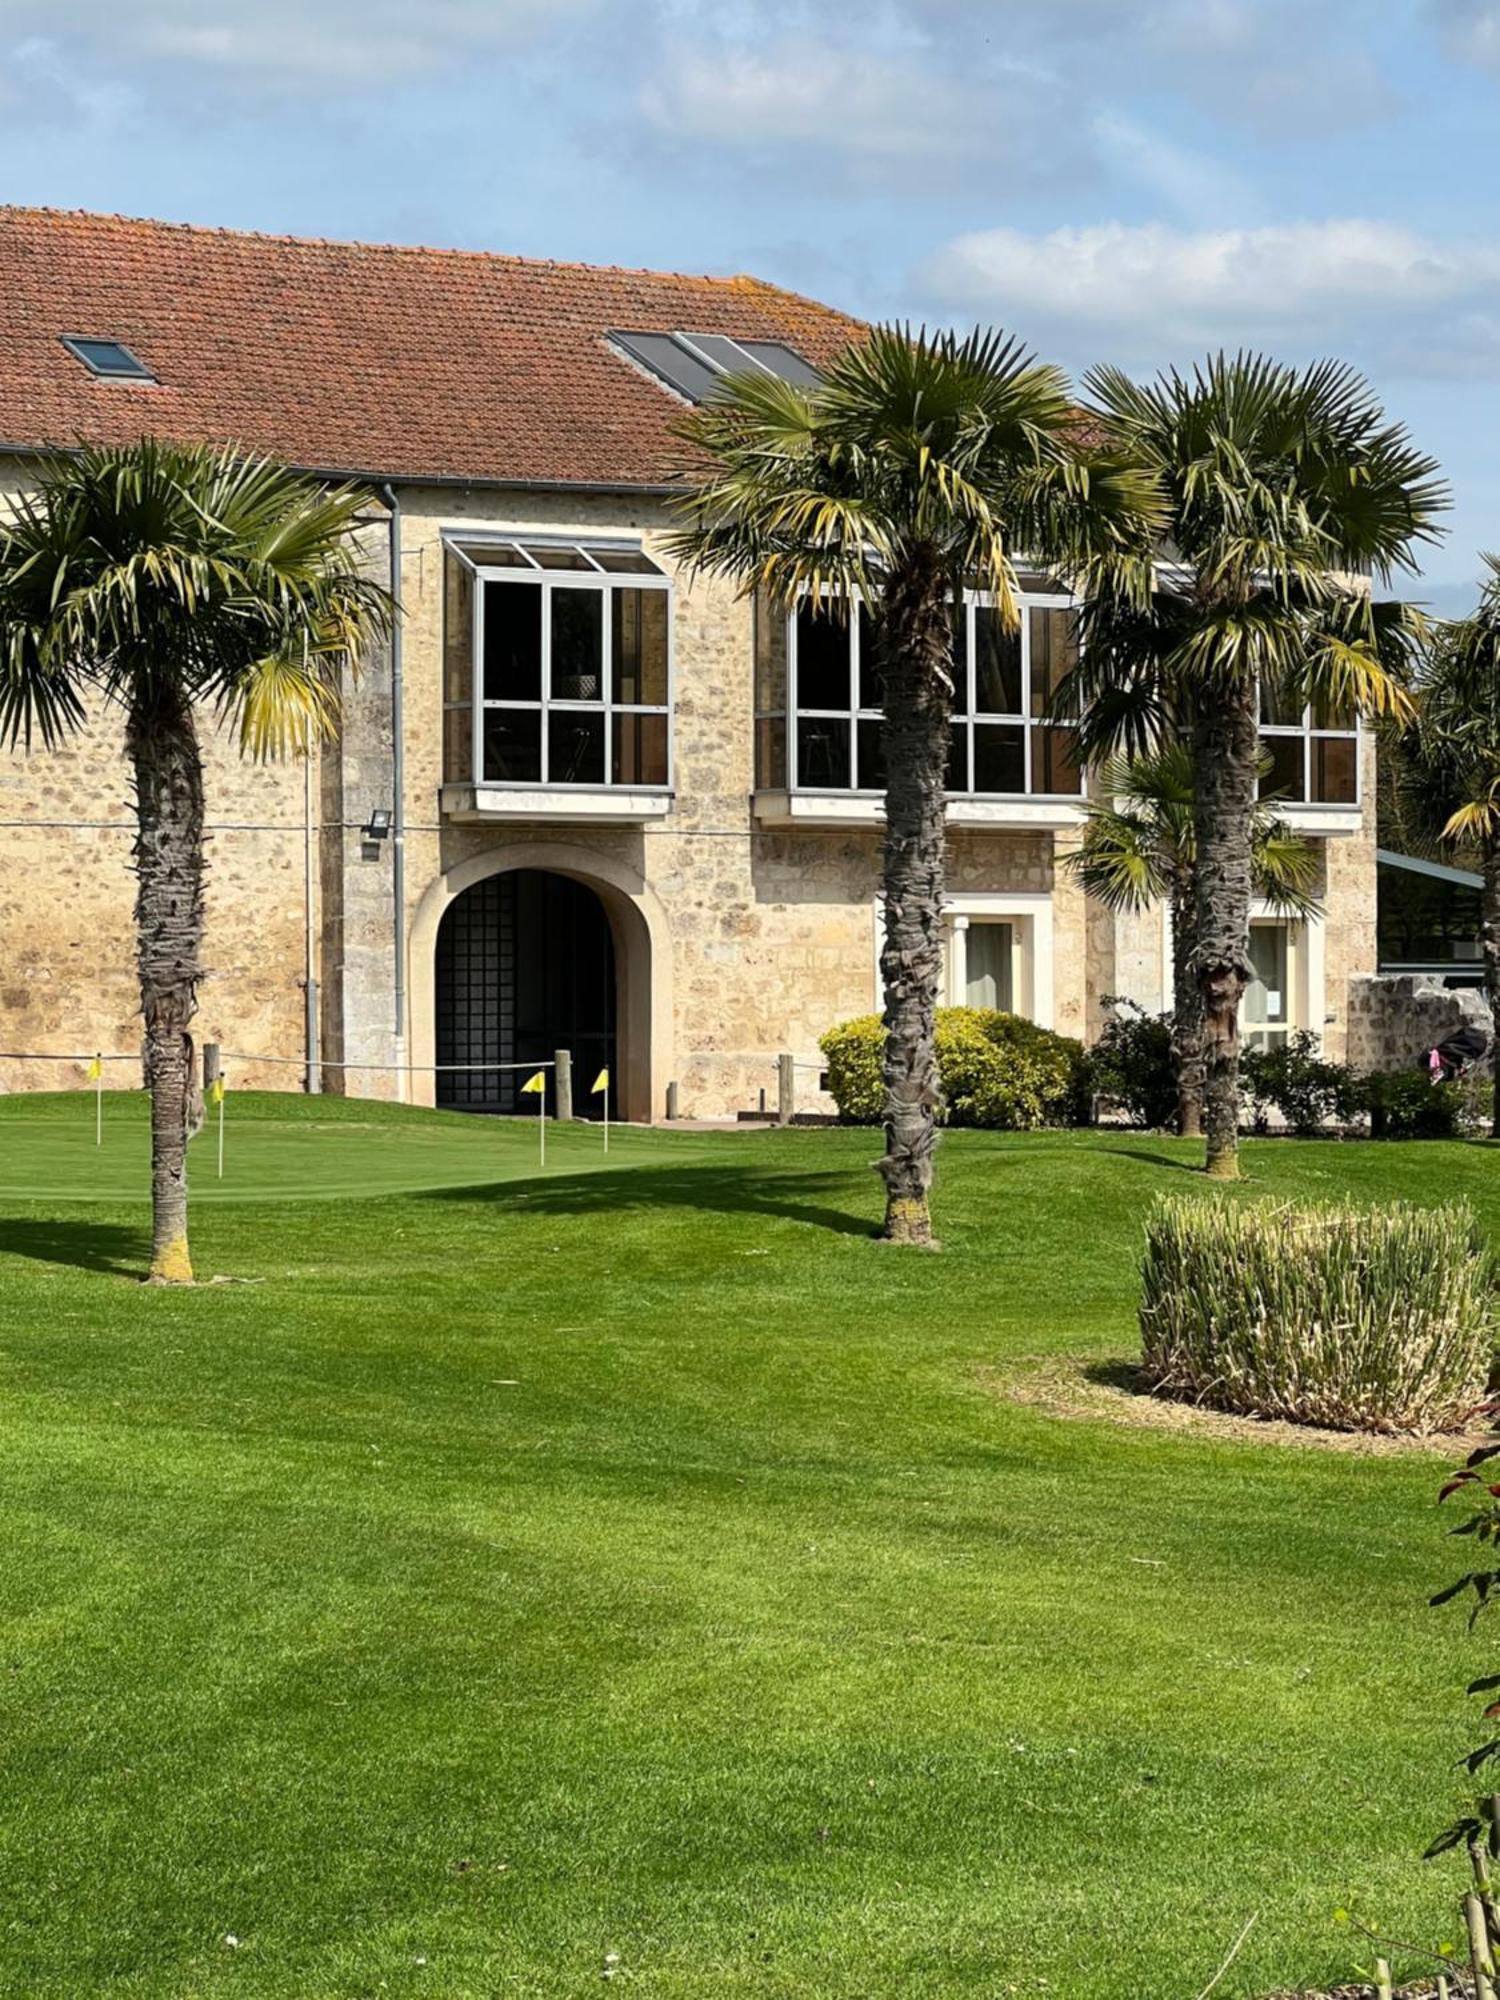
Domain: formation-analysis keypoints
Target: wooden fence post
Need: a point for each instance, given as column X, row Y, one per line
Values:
column 210, row 1066
column 786, row 1089
column 564, row 1085
column 672, row 1111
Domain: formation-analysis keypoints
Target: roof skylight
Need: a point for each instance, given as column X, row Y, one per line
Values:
column 110, row 359
column 695, row 363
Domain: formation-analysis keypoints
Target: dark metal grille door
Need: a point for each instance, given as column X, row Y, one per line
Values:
column 525, row 966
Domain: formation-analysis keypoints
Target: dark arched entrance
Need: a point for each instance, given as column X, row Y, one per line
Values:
column 525, row 966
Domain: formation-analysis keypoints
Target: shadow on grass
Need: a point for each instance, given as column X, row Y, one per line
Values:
column 1153, row 1159
column 720, row 1190
column 86, row 1246
column 1117, row 1373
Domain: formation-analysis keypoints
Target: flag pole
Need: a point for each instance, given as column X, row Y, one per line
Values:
column 220, row 1082
column 541, row 1120
column 99, row 1100
column 606, row 1111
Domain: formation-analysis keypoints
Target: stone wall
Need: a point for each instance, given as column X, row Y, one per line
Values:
column 772, row 930
column 67, row 975
column 1394, row 1020
column 758, row 938
column 1348, row 890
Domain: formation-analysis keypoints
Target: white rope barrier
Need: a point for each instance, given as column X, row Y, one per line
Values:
column 93, row 1056
column 290, row 1062
column 425, row 1069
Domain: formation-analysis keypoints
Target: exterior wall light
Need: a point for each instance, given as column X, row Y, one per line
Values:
column 377, row 827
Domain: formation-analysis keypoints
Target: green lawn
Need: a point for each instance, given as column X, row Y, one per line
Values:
column 636, row 1559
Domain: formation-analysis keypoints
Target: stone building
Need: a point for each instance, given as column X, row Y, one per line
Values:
column 582, row 800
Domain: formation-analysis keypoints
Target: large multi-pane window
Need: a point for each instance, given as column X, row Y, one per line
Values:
column 818, row 701
column 559, row 666
column 1314, row 752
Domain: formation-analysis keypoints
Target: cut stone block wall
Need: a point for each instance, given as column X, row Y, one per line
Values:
column 761, row 936
column 1393, row 1020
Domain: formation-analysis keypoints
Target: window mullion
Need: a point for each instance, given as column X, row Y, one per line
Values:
column 1025, row 697
column 544, row 759
column 793, row 773
column 476, row 684
column 856, row 648
column 607, row 677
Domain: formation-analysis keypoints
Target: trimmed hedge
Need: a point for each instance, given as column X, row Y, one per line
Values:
column 997, row 1070
column 1379, row 1320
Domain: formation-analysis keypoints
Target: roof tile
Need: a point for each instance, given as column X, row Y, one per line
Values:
column 378, row 359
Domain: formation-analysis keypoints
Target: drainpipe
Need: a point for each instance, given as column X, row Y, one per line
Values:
column 398, row 784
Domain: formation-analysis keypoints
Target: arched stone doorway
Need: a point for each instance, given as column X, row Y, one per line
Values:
column 525, row 966
column 641, row 947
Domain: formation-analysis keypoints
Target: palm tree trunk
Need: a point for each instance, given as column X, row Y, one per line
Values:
column 1489, row 934
column 1226, row 746
column 162, row 742
column 917, row 660
column 1187, row 1013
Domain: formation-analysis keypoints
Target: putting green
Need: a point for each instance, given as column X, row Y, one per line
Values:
column 290, row 1148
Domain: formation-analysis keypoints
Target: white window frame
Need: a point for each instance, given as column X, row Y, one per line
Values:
column 1029, row 912
column 854, row 714
column 1307, row 734
column 545, row 580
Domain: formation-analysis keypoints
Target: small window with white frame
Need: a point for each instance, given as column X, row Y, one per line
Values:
column 558, row 668
column 1314, row 752
column 1003, row 742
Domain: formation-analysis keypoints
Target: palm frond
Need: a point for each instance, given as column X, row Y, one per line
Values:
column 961, row 447
column 128, row 569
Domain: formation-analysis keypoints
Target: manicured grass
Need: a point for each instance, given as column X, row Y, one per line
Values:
column 519, row 1569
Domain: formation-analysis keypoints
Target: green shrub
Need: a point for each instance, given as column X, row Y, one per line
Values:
column 996, row 1070
column 1357, row 1320
column 1133, row 1068
column 1296, row 1081
column 1405, row 1104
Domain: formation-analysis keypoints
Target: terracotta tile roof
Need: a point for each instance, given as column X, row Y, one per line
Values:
column 356, row 357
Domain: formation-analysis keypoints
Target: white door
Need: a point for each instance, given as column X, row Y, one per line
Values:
column 1266, row 1012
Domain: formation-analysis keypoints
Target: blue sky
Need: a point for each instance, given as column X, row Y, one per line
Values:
column 1112, row 181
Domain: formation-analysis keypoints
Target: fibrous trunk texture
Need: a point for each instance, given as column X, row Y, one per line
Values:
column 1489, row 933
column 917, row 661
column 1225, row 759
column 162, row 743
column 1187, row 1012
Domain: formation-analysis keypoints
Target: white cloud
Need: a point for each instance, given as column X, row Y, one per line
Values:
column 1363, row 287
column 1406, row 307
column 1470, row 29
column 879, row 111
column 1191, row 183
column 318, row 44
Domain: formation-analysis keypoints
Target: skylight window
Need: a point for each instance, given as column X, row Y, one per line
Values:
column 110, row 359
column 694, row 364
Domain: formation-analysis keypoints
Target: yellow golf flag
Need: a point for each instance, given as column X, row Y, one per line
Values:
column 535, row 1085
column 601, row 1082
column 216, row 1091
column 96, row 1069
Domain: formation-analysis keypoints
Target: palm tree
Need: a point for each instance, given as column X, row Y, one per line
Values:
column 1448, row 763
column 171, row 580
column 919, row 466
column 1287, row 490
column 1138, row 848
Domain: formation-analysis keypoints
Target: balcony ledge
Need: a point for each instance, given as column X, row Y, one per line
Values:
column 1322, row 819
column 850, row 809
column 608, row 805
